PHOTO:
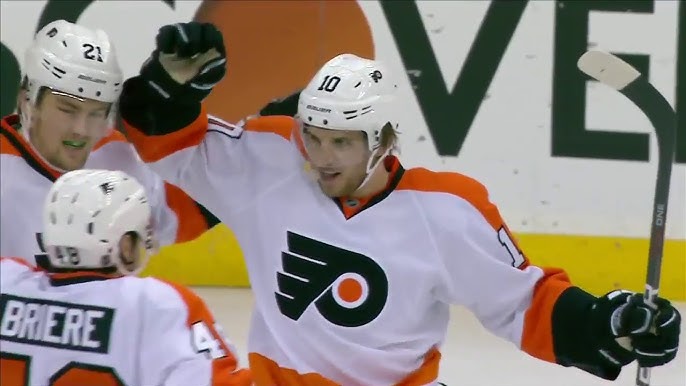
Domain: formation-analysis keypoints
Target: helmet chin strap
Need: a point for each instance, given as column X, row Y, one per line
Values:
column 371, row 168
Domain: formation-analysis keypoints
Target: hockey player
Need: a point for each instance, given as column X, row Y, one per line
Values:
column 354, row 260
column 90, row 322
column 72, row 81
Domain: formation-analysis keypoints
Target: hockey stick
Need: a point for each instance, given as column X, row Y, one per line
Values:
column 621, row 76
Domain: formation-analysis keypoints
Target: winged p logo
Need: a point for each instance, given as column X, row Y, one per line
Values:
column 347, row 288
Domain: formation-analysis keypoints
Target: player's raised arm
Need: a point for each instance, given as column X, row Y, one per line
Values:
column 538, row 309
column 163, row 116
column 181, row 344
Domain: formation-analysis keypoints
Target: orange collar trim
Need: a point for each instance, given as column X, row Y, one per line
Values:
column 350, row 206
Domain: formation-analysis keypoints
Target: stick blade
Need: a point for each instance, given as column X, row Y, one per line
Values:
column 607, row 69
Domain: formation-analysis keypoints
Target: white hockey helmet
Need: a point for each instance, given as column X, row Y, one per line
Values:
column 85, row 215
column 350, row 93
column 75, row 60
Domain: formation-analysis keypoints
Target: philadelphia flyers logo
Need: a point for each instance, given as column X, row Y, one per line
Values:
column 347, row 288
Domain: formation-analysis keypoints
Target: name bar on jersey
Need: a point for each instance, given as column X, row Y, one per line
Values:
column 55, row 324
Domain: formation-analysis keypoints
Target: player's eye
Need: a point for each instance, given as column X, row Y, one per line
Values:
column 97, row 114
column 67, row 110
column 341, row 142
column 312, row 138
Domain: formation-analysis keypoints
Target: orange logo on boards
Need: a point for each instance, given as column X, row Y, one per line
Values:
column 273, row 54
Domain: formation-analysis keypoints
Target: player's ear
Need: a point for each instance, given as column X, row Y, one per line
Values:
column 388, row 138
column 21, row 99
column 22, row 95
column 128, row 249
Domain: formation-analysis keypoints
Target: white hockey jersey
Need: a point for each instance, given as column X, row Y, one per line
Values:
column 26, row 179
column 355, row 292
column 87, row 329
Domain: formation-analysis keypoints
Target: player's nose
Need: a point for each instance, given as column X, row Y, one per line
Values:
column 80, row 126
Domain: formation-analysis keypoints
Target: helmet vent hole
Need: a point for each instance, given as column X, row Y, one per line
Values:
column 54, row 197
column 80, row 89
column 97, row 212
column 90, row 228
column 53, row 218
column 64, row 43
column 98, row 93
column 76, row 197
column 309, row 119
column 70, row 219
column 358, row 84
column 326, row 122
column 127, row 198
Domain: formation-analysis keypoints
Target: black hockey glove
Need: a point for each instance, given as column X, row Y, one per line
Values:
column 627, row 328
column 188, row 61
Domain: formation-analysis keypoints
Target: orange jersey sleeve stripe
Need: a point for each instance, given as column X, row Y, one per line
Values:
column 223, row 369
column 113, row 136
column 537, row 337
column 266, row 372
column 192, row 223
column 157, row 147
column 278, row 124
column 284, row 126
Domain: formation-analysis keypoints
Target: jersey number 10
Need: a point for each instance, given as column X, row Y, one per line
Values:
column 14, row 371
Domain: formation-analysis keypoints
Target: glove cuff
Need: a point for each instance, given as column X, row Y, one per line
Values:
column 575, row 334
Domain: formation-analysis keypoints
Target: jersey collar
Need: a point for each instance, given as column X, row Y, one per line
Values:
column 352, row 206
column 63, row 278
